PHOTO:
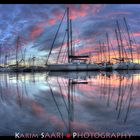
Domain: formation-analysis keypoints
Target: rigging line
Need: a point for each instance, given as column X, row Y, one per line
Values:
column 113, row 49
column 124, row 92
column 119, row 92
column 64, row 83
column 100, row 51
column 130, row 43
column 108, row 49
column 71, row 99
column 61, row 46
column 17, row 90
column 62, row 94
column 104, row 51
column 56, row 104
column 138, row 55
column 124, row 46
column 17, row 50
column 55, row 38
column 121, row 41
column 129, row 104
column 135, row 42
column 64, row 56
column 123, row 34
column 1, row 91
column 124, row 87
column 112, row 93
column 108, row 91
column 125, row 38
column 71, row 43
column 118, row 42
column 25, row 86
column 64, row 51
column 128, row 93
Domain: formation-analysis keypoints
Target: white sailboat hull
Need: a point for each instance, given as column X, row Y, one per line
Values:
column 126, row 66
column 73, row 67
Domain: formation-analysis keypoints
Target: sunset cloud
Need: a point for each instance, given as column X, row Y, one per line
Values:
column 90, row 23
column 136, row 34
column 36, row 31
column 51, row 21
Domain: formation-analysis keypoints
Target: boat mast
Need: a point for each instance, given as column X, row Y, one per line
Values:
column 120, row 58
column 71, row 51
column 50, row 51
column 24, row 57
column 98, row 59
column 100, row 51
column 68, row 34
column 108, row 46
column 61, row 47
column 104, row 51
column 130, row 43
column 138, row 56
column 120, row 37
column 17, row 47
column 0, row 55
column 6, row 56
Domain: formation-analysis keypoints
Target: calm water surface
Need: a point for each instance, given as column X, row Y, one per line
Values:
column 67, row 102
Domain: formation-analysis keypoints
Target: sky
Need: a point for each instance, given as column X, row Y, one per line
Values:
column 36, row 24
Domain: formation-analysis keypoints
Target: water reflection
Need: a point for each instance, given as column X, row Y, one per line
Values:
column 67, row 102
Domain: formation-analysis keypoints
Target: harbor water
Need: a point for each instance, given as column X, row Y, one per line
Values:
column 70, row 102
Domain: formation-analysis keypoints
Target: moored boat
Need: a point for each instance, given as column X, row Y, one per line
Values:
column 124, row 66
column 73, row 67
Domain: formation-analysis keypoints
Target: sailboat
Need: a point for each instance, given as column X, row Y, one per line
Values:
column 124, row 63
column 71, row 65
column 106, row 65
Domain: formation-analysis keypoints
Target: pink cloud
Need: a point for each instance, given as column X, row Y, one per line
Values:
column 36, row 31
column 42, row 23
column 136, row 34
column 87, row 49
column 119, row 13
column 52, row 21
column 83, row 9
column 57, row 13
column 75, row 12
